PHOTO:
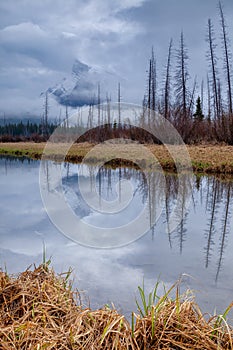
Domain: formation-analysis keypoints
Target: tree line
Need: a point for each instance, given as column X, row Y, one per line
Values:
column 29, row 131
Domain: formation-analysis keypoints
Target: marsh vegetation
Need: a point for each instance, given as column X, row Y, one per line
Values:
column 39, row 309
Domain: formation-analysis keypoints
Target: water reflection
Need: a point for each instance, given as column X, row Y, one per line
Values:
column 211, row 196
column 201, row 245
column 218, row 206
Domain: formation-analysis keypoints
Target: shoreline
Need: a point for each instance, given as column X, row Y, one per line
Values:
column 205, row 158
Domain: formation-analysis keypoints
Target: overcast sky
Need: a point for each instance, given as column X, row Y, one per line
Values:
column 40, row 41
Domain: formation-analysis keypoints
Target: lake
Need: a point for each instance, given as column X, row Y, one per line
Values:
column 200, row 247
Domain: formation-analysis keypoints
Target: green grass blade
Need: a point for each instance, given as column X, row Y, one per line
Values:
column 132, row 324
column 139, row 308
column 143, row 299
column 153, row 322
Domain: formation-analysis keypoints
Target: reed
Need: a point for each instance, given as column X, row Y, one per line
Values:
column 40, row 310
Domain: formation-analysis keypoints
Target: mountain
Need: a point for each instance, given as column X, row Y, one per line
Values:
column 81, row 87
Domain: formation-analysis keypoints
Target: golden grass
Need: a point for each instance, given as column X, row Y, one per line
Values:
column 38, row 310
column 205, row 158
column 183, row 328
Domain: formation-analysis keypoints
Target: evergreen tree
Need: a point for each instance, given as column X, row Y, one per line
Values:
column 198, row 115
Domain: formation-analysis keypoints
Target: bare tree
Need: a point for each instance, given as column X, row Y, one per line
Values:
column 182, row 77
column 90, row 116
column 227, row 65
column 202, row 94
column 67, row 117
column 46, row 113
column 98, row 103
column 191, row 103
column 209, row 99
column 119, row 104
column 213, row 65
column 59, row 118
column 108, row 100
column 150, row 96
column 167, row 87
column 220, row 103
column 144, row 110
column 153, row 81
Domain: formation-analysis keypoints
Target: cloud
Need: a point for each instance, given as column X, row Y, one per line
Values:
column 39, row 42
column 69, row 35
column 24, row 32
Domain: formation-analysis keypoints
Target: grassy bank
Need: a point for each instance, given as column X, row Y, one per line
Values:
column 39, row 310
column 205, row 158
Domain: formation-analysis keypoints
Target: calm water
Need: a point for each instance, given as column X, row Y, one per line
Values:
column 201, row 247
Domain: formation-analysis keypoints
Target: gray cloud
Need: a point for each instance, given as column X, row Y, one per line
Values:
column 40, row 42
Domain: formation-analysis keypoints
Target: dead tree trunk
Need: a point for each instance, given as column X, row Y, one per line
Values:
column 119, row 104
column 167, row 84
column 209, row 99
column 46, row 113
column 213, row 61
column 225, row 42
column 181, row 77
column 183, row 73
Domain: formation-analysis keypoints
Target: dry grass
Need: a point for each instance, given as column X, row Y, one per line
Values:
column 38, row 310
column 35, row 150
column 181, row 327
column 206, row 158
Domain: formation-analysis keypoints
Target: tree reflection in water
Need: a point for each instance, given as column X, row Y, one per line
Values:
column 212, row 193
